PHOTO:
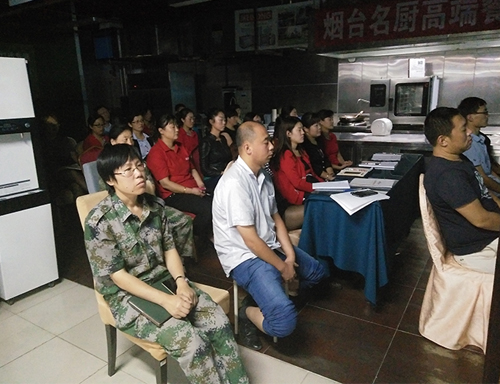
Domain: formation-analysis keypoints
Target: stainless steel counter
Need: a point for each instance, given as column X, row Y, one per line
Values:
column 414, row 138
column 358, row 146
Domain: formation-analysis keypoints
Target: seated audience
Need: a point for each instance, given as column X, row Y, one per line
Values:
column 198, row 335
column 94, row 142
column 320, row 163
column 214, row 151
column 177, row 181
column 292, row 171
column 181, row 224
column 328, row 141
column 474, row 110
column 136, row 122
column 252, row 241
column 229, row 131
column 468, row 216
column 60, row 160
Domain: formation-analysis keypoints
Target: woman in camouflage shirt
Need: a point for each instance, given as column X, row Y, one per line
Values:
column 130, row 247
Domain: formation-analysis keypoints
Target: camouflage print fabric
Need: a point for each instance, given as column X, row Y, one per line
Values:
column 116, row 239
column 181, row 225
column 200, row 343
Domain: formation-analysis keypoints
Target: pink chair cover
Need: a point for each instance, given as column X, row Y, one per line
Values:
column 456, row 307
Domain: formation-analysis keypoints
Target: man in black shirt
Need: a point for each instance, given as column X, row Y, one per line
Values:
column 469, row 217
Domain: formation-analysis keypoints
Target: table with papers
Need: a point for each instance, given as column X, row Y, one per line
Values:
column 365, row 241
column 355, row 243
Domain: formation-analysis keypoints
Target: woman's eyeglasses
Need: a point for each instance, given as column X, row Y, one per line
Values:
column 485, row 112
column 130, row 171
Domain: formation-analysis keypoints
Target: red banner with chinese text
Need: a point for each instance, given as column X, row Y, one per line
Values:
column 392, row 20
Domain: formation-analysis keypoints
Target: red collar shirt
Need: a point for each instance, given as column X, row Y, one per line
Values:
column 189, row 142
column 290, row 179
column 172, row 163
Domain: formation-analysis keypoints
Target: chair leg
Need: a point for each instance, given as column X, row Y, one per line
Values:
column 161, row 371
column 111, row 344
column 235, row 299
column 236, row 307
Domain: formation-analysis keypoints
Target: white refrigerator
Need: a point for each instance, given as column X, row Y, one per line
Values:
column 27, row 247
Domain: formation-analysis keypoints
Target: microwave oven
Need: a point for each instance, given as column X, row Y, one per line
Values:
column 406, row 102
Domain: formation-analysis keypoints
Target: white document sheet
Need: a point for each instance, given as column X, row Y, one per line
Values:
column 353, row 204
column 331, row 186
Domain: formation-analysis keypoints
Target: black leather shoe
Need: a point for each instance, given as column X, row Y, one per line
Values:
column 248, row 331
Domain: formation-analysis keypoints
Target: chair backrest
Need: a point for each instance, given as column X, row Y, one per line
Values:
column 435, row 242
column 91, row 176
column 85, row 203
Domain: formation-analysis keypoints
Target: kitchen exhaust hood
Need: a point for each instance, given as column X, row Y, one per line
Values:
column 465, row 43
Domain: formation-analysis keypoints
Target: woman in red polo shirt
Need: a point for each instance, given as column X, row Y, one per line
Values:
column 177, row 181
column 292, row 170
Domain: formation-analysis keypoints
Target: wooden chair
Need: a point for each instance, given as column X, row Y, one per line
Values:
column 84, row 205
column 456, row 306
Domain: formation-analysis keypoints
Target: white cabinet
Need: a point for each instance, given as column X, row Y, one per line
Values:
column 27, row 251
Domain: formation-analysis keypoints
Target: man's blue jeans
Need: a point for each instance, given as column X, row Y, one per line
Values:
column 265, row 284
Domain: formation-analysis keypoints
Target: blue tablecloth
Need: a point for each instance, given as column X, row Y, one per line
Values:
column 355, row 243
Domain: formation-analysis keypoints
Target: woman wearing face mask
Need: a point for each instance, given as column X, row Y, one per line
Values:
column 292, row 172
column 320, row 163
column 177, row 181
column 215, row 154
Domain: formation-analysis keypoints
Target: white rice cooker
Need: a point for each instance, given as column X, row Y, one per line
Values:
column 381, row 127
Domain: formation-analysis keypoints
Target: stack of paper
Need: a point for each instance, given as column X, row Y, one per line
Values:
column 354, row 172
column 353, row 204
column 331, row 186
column 379, row 164
column 372, row 183
column 386, row 156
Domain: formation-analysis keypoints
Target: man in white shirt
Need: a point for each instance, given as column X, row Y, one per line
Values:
column 252, row 241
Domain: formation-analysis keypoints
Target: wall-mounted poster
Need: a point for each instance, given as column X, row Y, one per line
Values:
column 283, row 26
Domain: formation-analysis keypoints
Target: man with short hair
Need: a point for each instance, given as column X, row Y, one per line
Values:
column 468, row 216
column 252, row 241
column 474, row 110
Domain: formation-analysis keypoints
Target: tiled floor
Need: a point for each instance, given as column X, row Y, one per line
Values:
column 339, row 336
column 55, row 335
